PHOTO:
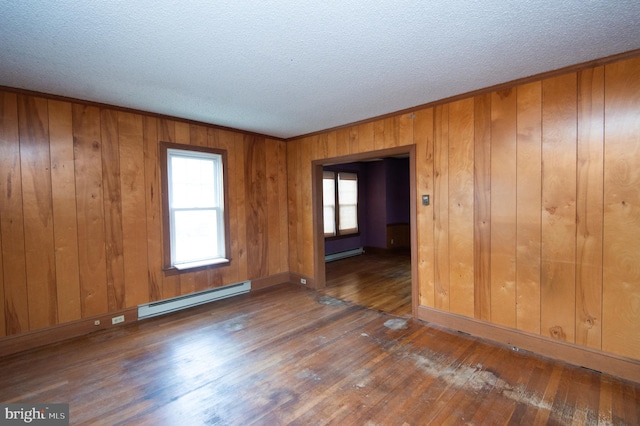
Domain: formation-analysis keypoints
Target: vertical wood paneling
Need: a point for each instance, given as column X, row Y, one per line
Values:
column 365, row 137
column 241, row 201
column 354, row 140
column 317, row 149
column 63, row 195
column 201, row 280
column 188, row 282
column 112, row 209
column 198, row 135
column 405, row 129
column 482, row 205
column 441, row 206
column 621, row 283
column 322, row 150
column 423, row 131
column 182, row 132
column 295, row 218
column 283, row 238
column 379, row 134
column 153, row 198
column 275, row 207
column 307, row 216
column 38, row 211
column 293, row 190
column 90, row 210
column 134, row 215
column 503, row 207
column 256, row 213
column 589, row 207
column 461, row 207
column 529, row 196
column 332, row 145
column 558, row 207
column 391, row 127
column 342, row 142
column 15, row 303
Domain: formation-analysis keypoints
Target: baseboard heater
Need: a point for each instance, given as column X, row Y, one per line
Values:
column 182, row 302
column 343, row 254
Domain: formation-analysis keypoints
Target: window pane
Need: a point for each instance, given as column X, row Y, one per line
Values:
column 329, row 220
column 328, row 192
column 348, row 217
column 347, row 191
column 193, row 182
column 196, row 235
column 329, row 201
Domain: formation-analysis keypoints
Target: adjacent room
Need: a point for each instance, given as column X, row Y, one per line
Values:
column 366, row 229
column 320, row 213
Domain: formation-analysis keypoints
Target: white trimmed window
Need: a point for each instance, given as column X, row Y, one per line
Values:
column 195, row 207
column 340, row 203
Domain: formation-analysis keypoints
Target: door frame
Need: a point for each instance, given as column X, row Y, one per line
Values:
column 319, row 281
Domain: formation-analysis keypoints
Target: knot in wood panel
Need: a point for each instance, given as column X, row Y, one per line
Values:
column 557, row 333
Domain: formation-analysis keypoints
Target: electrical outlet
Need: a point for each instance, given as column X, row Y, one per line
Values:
column 303, row 281
column 96, row 322
column 117, row 320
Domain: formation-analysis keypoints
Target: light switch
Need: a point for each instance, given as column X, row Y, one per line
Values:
column 426, row 200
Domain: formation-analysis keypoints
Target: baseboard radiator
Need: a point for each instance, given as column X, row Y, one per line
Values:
column 343, row 254
column 183, row 302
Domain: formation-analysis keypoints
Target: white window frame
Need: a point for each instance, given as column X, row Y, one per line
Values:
column 218, row 160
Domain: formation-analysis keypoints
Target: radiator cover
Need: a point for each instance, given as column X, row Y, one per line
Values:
column 343, row 254
column 153, row 309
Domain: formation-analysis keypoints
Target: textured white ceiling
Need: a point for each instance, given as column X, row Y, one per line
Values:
column 286, row 68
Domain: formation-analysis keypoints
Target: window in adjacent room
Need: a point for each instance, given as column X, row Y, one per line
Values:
column 196, row 228
column 340, row 203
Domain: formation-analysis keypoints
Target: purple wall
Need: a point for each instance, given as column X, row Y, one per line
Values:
column 376, row 217
column 398, row 195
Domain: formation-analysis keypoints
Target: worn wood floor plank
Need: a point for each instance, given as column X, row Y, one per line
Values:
column 288, row 355
column 377, row 281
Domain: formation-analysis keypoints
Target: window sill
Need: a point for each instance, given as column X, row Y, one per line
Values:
column 341, row 236
column 196, row 266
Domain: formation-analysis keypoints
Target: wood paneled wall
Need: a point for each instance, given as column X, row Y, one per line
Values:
column 80, row 213
column 535, row 215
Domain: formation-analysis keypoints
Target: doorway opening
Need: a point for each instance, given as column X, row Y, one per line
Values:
column 385, row 276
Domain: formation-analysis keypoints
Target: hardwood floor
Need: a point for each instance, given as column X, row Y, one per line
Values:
column 289, row 355
column 377, row 281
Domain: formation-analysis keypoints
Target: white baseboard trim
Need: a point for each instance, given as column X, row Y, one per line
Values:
column 343, row 254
